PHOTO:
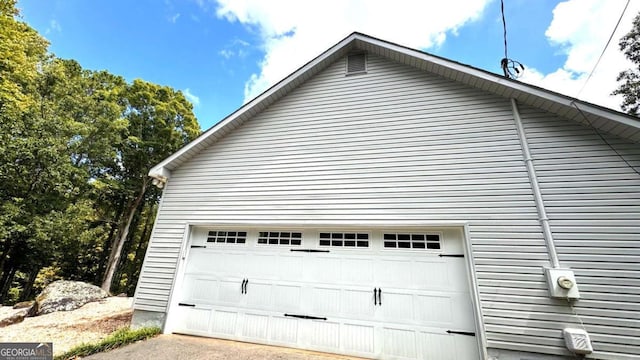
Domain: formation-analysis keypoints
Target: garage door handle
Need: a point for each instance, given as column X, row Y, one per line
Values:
column 375, row 296
column 243, row 286
column 380, row 296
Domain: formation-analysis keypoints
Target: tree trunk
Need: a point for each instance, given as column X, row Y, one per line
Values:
column 116, row 250
column 5, row 283
column 109, row 242
column 8, row 248
column 136, row 264
column 126, row 249
column 28, row 287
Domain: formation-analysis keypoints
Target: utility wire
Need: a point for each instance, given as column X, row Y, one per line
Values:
column 504, row 27
column 603, row 50
column 575, row 105
column 512, row 69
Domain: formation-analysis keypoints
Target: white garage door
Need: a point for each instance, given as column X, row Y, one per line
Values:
column 385, row 294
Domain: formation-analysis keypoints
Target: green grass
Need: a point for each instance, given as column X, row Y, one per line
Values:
column 115, row 340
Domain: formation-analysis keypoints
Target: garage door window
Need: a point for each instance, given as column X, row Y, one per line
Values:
column 227, row 237
column 412, row 241
column 280, row 238
column 339, row 239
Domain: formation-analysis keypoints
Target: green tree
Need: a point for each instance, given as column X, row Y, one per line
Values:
column 75, row 149
column 160, row 121
column 22, row 50
column 630, row 78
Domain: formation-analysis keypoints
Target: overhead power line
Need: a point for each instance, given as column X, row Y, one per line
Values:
column 511, row 68
column 603, row 50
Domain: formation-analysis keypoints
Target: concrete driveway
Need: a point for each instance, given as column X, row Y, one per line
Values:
column 176, row 347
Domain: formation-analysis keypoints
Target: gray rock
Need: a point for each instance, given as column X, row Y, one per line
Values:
column 24, row 304
column 64, row 295
column 15, row 316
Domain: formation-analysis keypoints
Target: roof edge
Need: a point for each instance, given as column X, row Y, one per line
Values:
column 163, row 169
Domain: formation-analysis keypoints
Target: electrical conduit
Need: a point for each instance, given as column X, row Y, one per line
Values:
column 537, row 195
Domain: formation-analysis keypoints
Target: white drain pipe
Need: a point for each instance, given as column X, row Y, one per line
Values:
column 537, row 195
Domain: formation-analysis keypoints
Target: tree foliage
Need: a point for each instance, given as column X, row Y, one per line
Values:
column 630, row 78
column 75, row 149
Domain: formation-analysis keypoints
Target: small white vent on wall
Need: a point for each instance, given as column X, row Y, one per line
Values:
column 356, row 63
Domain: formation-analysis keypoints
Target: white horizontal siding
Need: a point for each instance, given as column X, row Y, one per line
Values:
column 592, row 199
column 395, row 144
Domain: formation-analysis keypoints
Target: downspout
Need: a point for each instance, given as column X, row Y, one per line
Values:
column 537, row 195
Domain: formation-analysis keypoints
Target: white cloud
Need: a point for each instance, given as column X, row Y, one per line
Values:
column 174, row 18
column 237, row 47
column 294, row 31
column 581, row 28
column 195, row 100
column 54, row 25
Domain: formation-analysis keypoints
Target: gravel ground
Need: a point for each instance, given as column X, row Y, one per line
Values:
column 94, row 321
column 181, row 347
column 66, row 329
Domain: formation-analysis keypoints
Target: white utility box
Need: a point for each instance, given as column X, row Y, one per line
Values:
column 577, row 341
column 562, row 283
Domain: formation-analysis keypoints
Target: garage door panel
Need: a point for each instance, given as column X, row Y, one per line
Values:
column 200, row 261
column 224, row 322
column 397, row 307
column 287, row 298
column 229, row 264
column 325, row 301
column 433, row 310
column 256, row 326
column 324, row 334
column 457, row 272
column 323, row 269
column 391, row 271
column 229, row 292
column 358, row 304
column 203, row 290
column 191, row 319
column 437, row 346
column 288, row 267
column 358, row 338
column 283, row 330
column 399, row 342
column 463, row 315
column 256, row 266
column 357, row 271
column 259, row 295
column 430, row 274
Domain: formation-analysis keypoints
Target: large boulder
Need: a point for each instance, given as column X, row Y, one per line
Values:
column 9, row 316
column 65, row 295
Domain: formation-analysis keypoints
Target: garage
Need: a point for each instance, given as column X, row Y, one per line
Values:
column 390, row 293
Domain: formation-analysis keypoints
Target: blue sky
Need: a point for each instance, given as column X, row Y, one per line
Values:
column 221, row 53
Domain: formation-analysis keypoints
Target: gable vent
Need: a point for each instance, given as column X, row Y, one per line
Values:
column 356, row 63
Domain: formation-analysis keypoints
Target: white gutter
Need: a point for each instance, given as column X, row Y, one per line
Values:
column 537, row 195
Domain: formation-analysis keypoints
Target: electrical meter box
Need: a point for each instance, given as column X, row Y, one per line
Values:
column 562, row 283
column 577, row 341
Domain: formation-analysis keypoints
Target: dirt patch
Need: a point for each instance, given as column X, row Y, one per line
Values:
column 105, row 325
column 66, row 329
